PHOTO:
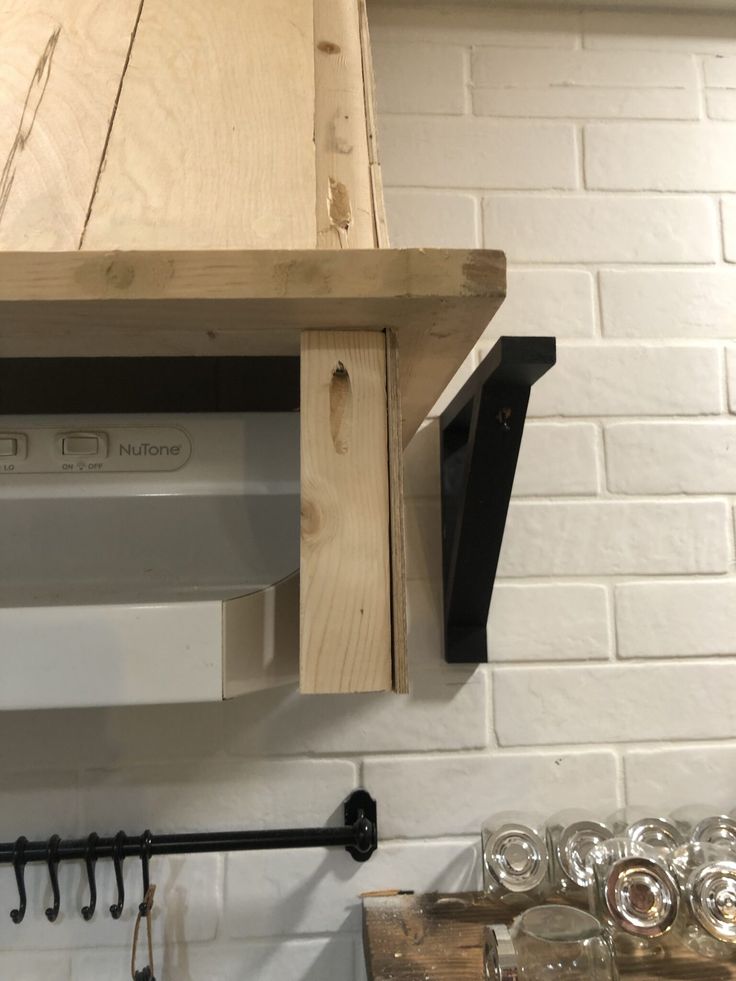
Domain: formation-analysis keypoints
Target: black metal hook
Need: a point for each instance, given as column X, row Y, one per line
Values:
column 146, row 842
column 52, row 860
column 19, row 865
column 117, row 860
column 90, row 860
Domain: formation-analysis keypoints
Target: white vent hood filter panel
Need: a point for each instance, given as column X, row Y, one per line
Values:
column 114, row 587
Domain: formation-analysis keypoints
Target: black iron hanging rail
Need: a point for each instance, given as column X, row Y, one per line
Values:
column 358, row 835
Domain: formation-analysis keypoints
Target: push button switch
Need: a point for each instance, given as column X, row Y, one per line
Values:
column 83, row 444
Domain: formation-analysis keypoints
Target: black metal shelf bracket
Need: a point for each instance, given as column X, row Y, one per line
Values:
column 358, row 836
column 480, row 436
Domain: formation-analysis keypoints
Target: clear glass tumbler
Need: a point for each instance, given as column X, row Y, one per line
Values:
column 633, row 892
column 570, row 836
column 549, row 942
column 707, row 875
column 647, row 826
column 515, row 857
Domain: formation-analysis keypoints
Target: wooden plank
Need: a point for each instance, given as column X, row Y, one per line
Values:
column 369, row 95
column 438, row 301
column 212, row 145
column 345, row 598
column 396, row 517
column 440, row 937
column 344, row 195
column 61, row 62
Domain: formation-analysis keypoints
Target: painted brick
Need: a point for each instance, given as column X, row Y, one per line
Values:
column 110, row 736
column 417, row 77
column 660, row 156
column 422, row 462
column 600, row 103
column 469, row 26
column 630, row 380
column 29, row 797
column 256, row 794
column 613, row 703
column 521, row 69
column 37, row 967
column 282, row 960
column 602, row 228
column 458, row 380
column 549, row 622
column 731, row 363
column 720, row 72
column 615, row 538
column 721, row 104
column 543, row 448
column 423, row 532
column 446, row 710
column 671, row 457
column 426, row 219
column 458, row 152
column 676, row 619
column 674, row 777
column 473, row 787
column 630, row 30
column 313, row 891
column 669, row 303
column 545, row 301
column 728, row 210
column 188, row 903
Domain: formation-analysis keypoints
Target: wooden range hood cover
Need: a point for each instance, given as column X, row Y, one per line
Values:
column 203, row 179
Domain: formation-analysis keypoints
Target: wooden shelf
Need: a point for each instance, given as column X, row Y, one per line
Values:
column 437, row 301
column 439, row 937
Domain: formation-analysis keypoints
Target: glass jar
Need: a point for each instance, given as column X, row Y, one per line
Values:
column 549, row 942
column 633, row 892
column 570, row 836
column 707, row 875
column 647, row 826
column 515, row 857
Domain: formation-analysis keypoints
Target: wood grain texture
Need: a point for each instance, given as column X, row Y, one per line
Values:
column 345, row 566
column 60, row 67
column 439, row 937
column 369, row 92
column 212, row 145
column 396, row 518
column 344, row 195
column 438, row 301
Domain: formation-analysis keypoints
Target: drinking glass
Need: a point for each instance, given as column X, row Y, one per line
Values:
column 633, row 892
column 647, row 826
column 570, row 836
column 549, row 942
column 707, row 874
column 515, row 857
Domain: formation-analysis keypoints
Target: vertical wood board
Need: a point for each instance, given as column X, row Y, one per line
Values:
column 212, row 145
column 61, row 62
column 369, row 88
column 345, row 549
column 343, row 190
column 396, row 518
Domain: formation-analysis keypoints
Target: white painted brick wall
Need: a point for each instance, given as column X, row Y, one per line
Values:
column 597, row 149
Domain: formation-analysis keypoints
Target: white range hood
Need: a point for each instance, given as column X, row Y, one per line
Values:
column 147, row 559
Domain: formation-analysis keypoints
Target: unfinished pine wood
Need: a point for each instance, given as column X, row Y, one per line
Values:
column 343, row 190
column 439, row 937
column 438, row 301
column 397, row 535
column 345, row 567
column 369, row 90
column 212, row 145
column 61, row 62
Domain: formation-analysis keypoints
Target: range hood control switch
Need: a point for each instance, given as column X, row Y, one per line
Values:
column 83, row 444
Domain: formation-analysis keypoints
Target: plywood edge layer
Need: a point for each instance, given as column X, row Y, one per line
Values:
column 260, row 637
column 396, row 519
